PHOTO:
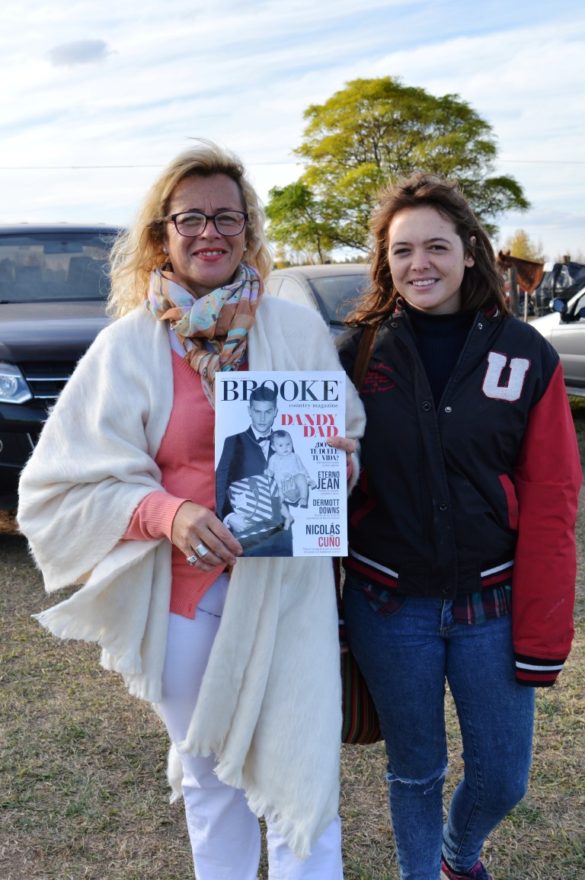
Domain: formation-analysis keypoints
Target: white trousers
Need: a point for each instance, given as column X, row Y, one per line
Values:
column 224, row 833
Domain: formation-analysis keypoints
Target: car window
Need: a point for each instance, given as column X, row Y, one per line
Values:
column 338, row 293
column 43, row 267
column 293, row 291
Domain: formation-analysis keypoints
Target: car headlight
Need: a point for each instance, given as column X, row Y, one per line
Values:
column 13, row 387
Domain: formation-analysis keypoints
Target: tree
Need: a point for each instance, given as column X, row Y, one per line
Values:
column 520, row 245
column 370, row 133
column 298, row 218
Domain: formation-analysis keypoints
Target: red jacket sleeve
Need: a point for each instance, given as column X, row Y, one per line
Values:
column 548, row 479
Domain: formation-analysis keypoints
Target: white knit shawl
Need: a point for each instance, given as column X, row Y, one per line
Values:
column 269, row 705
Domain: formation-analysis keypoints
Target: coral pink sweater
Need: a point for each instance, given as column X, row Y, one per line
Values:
column 186, row 460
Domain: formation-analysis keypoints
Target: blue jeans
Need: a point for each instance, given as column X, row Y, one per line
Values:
column 406, row 657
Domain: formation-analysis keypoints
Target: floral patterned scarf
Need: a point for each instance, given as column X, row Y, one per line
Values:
column 212, row 328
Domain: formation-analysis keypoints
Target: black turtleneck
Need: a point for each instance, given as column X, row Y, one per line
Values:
column 439, row 340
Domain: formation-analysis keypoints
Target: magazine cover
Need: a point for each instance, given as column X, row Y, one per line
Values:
column 280, row 488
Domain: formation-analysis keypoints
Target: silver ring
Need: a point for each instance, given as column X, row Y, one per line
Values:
column 192, row 560
column 201, row 550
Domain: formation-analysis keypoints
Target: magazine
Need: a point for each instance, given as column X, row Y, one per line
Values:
column 280, row 488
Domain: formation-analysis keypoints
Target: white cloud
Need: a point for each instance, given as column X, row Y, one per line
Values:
column 78, row 52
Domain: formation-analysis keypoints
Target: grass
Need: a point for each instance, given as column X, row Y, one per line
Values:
column 82, row 788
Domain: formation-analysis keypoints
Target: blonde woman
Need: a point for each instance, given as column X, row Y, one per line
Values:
column 121, row 485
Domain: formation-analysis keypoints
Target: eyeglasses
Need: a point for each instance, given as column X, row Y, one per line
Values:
column 191, row 223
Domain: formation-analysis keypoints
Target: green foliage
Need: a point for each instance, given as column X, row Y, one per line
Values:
column 297, row 217
column 373, row 132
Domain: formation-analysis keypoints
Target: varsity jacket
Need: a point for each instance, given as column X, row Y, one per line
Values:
column 479, row 490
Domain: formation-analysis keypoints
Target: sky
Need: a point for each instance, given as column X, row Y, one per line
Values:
column 96, row 98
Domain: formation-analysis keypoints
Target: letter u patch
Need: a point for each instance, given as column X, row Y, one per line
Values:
column 492, row 383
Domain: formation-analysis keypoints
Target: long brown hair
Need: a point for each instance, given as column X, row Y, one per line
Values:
column 482, row 285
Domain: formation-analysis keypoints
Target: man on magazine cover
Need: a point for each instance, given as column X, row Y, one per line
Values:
column 246, row 455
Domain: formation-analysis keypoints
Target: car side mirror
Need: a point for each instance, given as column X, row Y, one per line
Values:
column 560, row 306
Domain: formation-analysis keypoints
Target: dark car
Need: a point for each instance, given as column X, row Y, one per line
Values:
column 53, row 288
column 564, row 328
column 331, row 289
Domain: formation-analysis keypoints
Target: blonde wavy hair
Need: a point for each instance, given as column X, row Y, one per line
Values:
column 139, row 250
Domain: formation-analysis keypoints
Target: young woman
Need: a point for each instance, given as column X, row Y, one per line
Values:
column 121, row 485
column 462, row 551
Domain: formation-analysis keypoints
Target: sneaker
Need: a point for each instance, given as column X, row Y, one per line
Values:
column 478, row 872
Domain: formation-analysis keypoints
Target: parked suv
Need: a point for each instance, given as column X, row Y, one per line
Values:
column 53, row 287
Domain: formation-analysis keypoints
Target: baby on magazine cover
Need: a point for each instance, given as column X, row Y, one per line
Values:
column 291, row 475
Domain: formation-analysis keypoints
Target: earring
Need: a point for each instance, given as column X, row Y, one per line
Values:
column 165, row 251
